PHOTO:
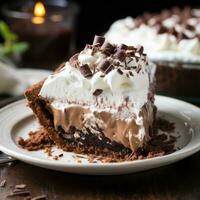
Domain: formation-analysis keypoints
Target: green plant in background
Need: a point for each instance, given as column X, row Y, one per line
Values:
column 10, row 44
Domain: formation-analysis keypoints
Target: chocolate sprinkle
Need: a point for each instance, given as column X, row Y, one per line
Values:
column 98, row 40
column 85, row 70
column 138, row 69
column 130, row 73
column 120, row 71
column 97, row 92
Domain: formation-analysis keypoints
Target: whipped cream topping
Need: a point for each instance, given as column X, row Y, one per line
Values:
column 99, row 81
column 169, row 36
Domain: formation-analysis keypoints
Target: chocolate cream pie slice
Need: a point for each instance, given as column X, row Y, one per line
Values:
column 100, row 102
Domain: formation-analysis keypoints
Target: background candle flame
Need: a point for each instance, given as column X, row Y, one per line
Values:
column 39, row 13
column 39, row 9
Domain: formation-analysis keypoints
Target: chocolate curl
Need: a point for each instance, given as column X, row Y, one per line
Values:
column 104, row 65
column 161, row 29
column 181, row 36
column 73, row 61
column 174, row 32
column 123, row 46
column 98, row 40
column 140, row 49
column 120, row 55
column 85, row 70
column 108, row 48
column 189, row 27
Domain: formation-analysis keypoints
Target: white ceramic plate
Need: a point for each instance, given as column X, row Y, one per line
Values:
column 16, row 120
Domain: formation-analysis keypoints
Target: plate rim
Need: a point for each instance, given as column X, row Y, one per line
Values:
column 179, row 154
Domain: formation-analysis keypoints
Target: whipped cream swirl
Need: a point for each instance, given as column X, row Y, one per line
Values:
column 117, row 83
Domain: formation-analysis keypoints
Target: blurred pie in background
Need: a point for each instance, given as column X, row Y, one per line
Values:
column 172, row 41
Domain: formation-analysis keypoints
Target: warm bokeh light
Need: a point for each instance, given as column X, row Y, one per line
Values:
column 39, row 13
column 39, row 9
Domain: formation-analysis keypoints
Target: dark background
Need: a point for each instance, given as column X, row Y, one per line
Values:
column 96, row 16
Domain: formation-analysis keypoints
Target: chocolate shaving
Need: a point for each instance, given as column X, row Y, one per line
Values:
column 107, row 48
column 104, row 65
column 138, row 69
column 55, row 157
column 3, row 183
column 131, row 48
column 165, row 14
column 20, row 186
column 73, row 61
column 144, row 55
column 120, row 71
column 17, row 190
column 130, row 73
column 139, row 21
column 60, row 68
column 182, row 35
column 110, row 68
column 97, row 92
column 85, row 71
column 123, row 46
column 41, row 197
column 120, row 55
column 98, row 40
column 94, row 50
column 173, row 32
column 175, row 10
column 189, row 27
column 161, row 29
column 21, row 193
column 88, row 46
column 137, row 58
column 140, row 49
column 130, row 53
column 27, row 198
column 134, row 67
column 142, row 151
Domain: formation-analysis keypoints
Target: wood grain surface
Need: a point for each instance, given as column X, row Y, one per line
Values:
column 177, row 181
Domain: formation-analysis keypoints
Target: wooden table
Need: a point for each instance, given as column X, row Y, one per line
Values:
column 177, row 181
